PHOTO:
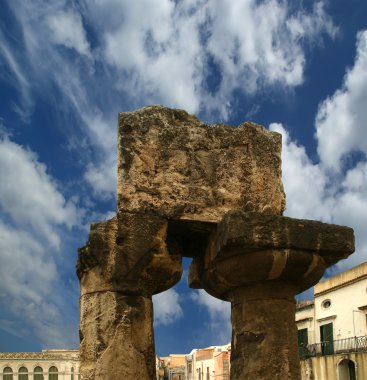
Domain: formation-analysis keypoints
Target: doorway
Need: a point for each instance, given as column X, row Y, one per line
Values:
column 347, row 370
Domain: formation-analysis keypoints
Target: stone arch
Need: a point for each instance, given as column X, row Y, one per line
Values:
column 347, row 369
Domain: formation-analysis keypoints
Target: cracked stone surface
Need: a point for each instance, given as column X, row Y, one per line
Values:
column 171, row 163
column 259, row 263
column 213, row 193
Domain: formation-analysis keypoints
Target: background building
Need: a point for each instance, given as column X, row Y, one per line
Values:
column 44, row 365
column 332, row 329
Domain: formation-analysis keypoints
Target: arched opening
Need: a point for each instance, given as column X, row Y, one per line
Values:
column 53, row 373
column 7, row 373
column 38, row 373
column 22, row 373
column 347, row 370
column 72, row 373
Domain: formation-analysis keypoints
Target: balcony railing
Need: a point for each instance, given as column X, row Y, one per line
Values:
column 355, row 344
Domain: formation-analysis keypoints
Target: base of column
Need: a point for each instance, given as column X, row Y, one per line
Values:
column 116, row 334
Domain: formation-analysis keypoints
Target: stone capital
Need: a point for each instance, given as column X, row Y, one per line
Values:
column 248, row 248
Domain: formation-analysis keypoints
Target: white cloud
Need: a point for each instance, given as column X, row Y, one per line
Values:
column 165, row 51
column 35, row 216
column 167, row 307
column 305, row 183
column 219, row 313
column 29, row 283
column 341, row 121
column 258, row 45
column 160, row 51
column 312, row 193
column 67, row 29
column 103, row 178
column 331, row 190
column 30, row 196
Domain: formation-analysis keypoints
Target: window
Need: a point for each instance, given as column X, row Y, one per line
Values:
column 327, row 339
column 189, row 367
column 53, row 373
column 38, row 373
column 326, row 304
column 207, row 373
column 8, row 373
column 23, row 373
column 72, row 373
column 302, row 342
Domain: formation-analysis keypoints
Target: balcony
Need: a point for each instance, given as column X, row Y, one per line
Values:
column 355, row 344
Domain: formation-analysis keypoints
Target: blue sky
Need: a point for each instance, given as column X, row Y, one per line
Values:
column 68, row 67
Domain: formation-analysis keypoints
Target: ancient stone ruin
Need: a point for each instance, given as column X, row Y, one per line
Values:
column 213, row 193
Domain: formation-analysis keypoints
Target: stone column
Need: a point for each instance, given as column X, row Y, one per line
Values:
column 264, row 335
column 117, row 339
column 259, row 263
column 124, row 263
column 173, row 169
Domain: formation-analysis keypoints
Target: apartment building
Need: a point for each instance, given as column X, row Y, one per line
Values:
column 332, row 329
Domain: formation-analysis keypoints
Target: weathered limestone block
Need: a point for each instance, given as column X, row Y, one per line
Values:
column 259, row 263
column 124, row 263
column 128, row 254
column 248, row 247
column 171, row 163
column 264, row 344
column 213, row 193
column 117, row 340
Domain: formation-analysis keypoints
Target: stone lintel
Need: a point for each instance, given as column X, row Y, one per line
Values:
column 171, row 163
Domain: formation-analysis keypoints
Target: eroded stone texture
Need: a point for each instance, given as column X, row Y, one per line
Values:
column 125, row 262
column 213, row 193
column 128, row 254
column 263, row 333
column 259, row 263
column 117, row 340
column 171, row 163
column 249, row 247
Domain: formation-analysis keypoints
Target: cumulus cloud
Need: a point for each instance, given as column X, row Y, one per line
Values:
column 33, row 213
column 261, row 44
column 342, row 118
column 167, row 308
column 161, row 51
column 313, row 193
column 250, row 44
column 67, row 29
column 304, row 182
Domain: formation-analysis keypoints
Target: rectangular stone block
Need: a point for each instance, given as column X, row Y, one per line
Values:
column 171, row 163
column 251, row 232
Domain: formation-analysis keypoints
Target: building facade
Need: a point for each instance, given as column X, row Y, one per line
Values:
column 44, row 365
column 332, row 329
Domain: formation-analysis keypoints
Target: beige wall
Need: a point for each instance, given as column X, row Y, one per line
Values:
column 329, row 367
column 63, row 360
